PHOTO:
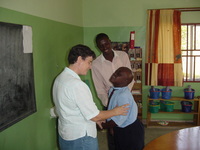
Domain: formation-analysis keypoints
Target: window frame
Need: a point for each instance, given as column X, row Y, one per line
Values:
column 188, row 54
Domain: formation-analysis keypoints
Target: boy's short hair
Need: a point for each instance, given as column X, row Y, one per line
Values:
column 101, row 36
column 80, row 50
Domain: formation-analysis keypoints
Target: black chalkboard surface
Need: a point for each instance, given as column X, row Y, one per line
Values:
column 17, row 94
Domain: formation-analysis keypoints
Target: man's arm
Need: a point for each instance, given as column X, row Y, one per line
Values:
column 99, row 86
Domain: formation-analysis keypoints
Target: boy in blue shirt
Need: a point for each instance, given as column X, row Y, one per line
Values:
column 128, row 131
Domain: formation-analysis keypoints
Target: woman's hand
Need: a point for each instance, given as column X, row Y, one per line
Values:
column 121, row 110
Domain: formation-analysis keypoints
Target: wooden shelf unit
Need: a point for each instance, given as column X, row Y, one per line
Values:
column 195, row 112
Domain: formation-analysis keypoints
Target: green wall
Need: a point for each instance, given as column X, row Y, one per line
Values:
column 122, row 34
column 65, row 11
column 51, row 41
column 72, row 22
column 117, row 34
column 117, row 18
column 126, row 13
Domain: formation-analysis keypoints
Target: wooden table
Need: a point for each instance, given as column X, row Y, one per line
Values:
column 184, row 139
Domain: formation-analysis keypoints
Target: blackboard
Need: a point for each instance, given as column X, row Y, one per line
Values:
column 17, row 93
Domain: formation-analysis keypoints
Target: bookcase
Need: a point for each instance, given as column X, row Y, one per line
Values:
column 195, row 112
column 135, row 56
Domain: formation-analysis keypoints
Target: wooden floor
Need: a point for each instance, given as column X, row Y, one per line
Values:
column 184, row 139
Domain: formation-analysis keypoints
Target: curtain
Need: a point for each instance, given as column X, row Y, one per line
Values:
column 163, row 65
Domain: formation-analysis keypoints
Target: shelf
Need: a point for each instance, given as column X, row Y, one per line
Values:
column 177, row 111
column 133, row 61
column 195, row 112
column 135, row 57
column 136, row 94
column 175, row 99
column 154, row 124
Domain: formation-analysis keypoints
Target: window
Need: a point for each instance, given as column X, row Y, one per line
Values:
column 190, row 46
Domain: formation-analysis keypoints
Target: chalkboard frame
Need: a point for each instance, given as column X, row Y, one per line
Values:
column 17, row 92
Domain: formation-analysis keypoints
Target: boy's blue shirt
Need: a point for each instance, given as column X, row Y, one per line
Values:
column 121, row 96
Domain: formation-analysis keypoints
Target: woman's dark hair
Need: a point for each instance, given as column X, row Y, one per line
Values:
column 80, row 50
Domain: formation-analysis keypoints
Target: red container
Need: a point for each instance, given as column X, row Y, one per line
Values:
column 132, row 39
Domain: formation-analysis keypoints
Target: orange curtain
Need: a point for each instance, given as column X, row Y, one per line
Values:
column 163, row 64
